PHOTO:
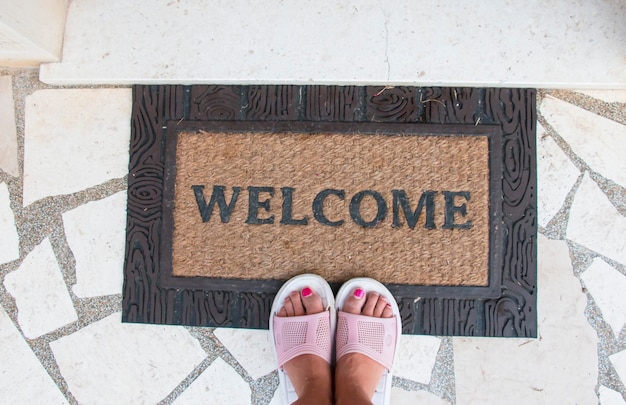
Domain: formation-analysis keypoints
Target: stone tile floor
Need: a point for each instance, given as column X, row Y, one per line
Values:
column 63, row 162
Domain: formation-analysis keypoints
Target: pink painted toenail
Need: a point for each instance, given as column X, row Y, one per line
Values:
column 359, row 293
column 307, row 292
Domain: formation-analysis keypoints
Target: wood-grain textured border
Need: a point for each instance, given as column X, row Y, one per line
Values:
column 511, row 312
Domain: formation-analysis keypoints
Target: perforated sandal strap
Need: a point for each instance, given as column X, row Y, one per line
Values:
column 373, row 337
column 307, row 334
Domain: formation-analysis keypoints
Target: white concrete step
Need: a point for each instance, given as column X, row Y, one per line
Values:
column 567, row 44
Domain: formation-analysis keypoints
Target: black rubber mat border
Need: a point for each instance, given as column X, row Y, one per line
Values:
column 507, row 307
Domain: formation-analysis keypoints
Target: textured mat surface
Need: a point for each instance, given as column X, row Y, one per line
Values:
column 233, row 189
column 401, row 209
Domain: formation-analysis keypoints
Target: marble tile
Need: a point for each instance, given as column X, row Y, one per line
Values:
column 556, row 175
column 9, row 238
column 609, row 96
column 607, row 286
column 416, row 357
column 276, row 399
column 402, row 397
column 536, row 371
column 96, row 233
column 218, row 384
column 8, row 134
column 20, row 368
column 43, row 302
column 619, row 362
column 380, row 42
column 74, row 139
column 252, row 349
column 108, row 362
column 610, row 397
column 595, row 223
column 598, row 141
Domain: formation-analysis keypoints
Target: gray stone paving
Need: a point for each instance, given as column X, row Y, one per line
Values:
column 65, row 236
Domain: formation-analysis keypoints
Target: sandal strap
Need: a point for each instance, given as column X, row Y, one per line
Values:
column 306, row 334
column 371, row 336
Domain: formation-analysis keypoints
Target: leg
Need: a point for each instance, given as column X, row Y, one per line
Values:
column 309, row 374
column 356, row 375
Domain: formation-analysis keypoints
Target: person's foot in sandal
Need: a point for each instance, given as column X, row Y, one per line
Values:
column 363, row 371
column 304, row 367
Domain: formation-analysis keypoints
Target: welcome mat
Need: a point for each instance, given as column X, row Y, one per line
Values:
column 410, row 209
column 234, row 189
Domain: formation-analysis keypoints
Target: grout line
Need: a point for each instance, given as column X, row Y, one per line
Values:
column 215, row 349
column 180, row 388
column 409, row 385
column 613, row 111
column 264, row 389
column 556, row 228
column 443, row 379
column 41, row 220
column 580, row 256
column 614, row 192
column 608, row 344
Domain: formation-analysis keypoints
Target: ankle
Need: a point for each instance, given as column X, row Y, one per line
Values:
column 351, row 394
column 318, row 391
column 311, row 378
column 356, row 379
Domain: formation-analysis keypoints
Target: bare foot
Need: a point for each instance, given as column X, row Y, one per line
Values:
column 309, row 374
column 356, row 375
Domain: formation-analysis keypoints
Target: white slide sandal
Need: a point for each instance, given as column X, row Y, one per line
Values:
column 308, row 334
column 377, row 338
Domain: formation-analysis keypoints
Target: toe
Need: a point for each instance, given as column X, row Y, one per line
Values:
column 288, row 307
column 387, row 312
column 354, row 302
column 298, row 308
column 282, row 312
column 311, row 301
column 380, row 306
column 370, row 304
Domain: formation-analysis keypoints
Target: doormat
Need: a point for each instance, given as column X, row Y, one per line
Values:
column 235, row 189
column 264, row 205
